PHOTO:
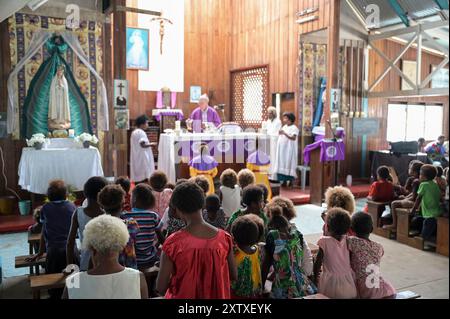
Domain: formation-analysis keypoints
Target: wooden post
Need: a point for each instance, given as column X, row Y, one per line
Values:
column 120, row 72
column 323, row 174
column 108, row 147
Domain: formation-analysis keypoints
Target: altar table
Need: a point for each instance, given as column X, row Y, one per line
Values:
column 73, row 165
column 227, row 149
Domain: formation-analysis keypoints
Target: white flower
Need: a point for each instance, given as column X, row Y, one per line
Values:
column 85, row 137
column 37, row 139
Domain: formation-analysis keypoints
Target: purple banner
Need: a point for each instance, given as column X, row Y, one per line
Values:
column 329, row 151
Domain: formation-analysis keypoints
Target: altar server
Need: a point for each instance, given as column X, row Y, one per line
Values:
column 259, row 163
column 273, row 124
column 141, row 156
column 287, row 151
column 204, row 114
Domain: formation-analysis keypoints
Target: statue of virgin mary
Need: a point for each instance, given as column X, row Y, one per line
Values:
column 59, row 107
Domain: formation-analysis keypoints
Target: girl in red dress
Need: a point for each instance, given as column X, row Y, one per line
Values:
column 197, row 262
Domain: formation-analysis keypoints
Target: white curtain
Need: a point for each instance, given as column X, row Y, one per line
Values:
column 38, row 40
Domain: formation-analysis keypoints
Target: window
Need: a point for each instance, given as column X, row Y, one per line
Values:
column 249, row 96
column 409, row 122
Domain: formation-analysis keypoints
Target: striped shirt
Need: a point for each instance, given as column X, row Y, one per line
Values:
column 146, row 240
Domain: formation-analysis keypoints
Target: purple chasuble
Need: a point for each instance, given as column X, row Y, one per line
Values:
column 258, row 158
column 203, row 163
column 196, row 116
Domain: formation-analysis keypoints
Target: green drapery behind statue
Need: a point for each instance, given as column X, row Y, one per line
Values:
column 36, row 106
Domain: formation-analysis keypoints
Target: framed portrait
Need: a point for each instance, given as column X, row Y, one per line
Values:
column 122, row 119
column 137, row 49
column 196, row 92
column 409, row 68
column 440, row 79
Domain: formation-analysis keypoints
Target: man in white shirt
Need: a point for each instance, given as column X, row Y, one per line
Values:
column 273, row 123
column 141, row 156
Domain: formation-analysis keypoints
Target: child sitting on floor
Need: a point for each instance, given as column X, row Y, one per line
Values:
column 111, row 199
column 289, row 254
column 81, row 217
column 338, row 197
column 246, row 234
column 158, row 182
column 428, row 200
column 125, row 182
column 411, row 188
column 56, row 218
column 286, row 205
column 204, row 165
column 171, row 222
column 213, row 214
column 246, row 178
column 202, row 182
column 230, row 192
column 337, row 278
column 253, row 200
column 365, row 257
column 197, row 262
column 142, row 202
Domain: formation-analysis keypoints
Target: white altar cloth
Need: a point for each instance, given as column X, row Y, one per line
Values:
column 168, row 157
column 73, row 165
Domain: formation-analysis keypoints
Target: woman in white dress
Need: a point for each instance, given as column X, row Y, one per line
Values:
column 287, row 151
column 106, row 236
column 142, row 163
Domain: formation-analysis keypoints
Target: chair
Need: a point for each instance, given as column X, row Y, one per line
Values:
column 303, row 170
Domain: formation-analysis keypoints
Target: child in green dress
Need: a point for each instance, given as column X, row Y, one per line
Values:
column 291, row 258
column 247, row 255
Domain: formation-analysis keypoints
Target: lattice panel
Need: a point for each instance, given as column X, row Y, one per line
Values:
column 249, row 96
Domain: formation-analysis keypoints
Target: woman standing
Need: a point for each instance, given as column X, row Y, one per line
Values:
column 287, row 151
column 141, row 156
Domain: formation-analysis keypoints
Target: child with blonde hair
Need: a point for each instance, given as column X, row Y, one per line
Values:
column 246, row 178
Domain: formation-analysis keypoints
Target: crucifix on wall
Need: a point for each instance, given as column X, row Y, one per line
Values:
column 162, row 22
column 120, row 93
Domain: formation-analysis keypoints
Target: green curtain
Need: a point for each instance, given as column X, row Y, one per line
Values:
column 35, row 112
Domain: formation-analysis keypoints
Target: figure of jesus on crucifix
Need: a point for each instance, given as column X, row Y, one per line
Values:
column 162, row 22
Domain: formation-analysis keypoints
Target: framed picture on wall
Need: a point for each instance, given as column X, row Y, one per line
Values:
column 195, row 93
column 440, row 79
column 137, row 49
column 409, row 68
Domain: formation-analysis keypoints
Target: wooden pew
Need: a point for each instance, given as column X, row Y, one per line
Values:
column 21, row 262
column 375, row 210
column 403, row 227
column 442, row 236
column 32, row 240
column 45, row 282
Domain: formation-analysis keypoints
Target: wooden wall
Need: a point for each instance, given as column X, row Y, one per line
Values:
column 206, row 56
column 378, row 106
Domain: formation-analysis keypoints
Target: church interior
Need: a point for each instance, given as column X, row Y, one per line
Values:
column 328, row 104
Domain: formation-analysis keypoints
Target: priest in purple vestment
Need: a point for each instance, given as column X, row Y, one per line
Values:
column 204, row 114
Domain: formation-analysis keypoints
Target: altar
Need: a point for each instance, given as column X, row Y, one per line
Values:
column 229, row 150
column 73, row 165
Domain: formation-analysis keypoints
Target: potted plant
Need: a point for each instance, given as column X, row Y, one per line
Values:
column 87, row 140
column 37, row 141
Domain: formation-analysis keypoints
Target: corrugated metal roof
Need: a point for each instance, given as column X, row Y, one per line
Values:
column 416, row 9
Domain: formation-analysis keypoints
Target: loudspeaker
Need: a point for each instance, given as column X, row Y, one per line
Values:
column 404, row 147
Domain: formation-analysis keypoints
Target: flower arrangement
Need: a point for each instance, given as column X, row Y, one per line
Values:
column 37, row 141
column 86, row 139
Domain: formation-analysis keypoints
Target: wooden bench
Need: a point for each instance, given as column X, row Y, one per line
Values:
column 33, row 239
column 45, row 282
column 21, row 262
column 442, row 236
column 404, row 295
column 375, row 210
column 403, row 230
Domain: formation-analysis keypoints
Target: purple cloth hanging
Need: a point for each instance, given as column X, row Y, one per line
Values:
column 173, row 99
column 159, row 100
column 330, row 151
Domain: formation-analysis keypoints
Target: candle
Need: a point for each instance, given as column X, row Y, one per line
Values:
column 177, row 125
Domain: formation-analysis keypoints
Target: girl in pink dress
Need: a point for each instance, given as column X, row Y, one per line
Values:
column 337, row 280
column 365, row 256
column 158, row 182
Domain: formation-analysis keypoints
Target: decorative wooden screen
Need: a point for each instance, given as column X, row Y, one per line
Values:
column 249, row 96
